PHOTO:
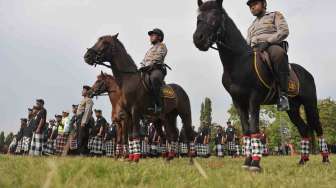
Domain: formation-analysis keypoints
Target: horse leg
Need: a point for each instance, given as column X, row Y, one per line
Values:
column 257, row 147
column 243, row 115
column 186, row 123
column 295, row 117
column 172, row 135
column 313, row 120
column 134, row 137
column 119, row 139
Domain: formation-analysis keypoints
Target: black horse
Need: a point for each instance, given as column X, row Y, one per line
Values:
column 247, row 90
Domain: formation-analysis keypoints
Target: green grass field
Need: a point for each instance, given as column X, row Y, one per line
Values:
column 105, row 172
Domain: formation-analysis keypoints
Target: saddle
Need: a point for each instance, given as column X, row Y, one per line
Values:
column 265, row 73
column 166, row 91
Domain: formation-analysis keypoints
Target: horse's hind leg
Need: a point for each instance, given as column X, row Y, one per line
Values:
column 295, row 117
column 313, row 120
column 186, row 123
column 172, row 135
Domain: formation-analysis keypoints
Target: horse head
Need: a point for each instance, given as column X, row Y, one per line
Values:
column 209, row 24
column 100, row 86
column 102, row 51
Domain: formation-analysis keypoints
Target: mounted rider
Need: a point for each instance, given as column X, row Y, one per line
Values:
column 267, row 33
column 153, row 62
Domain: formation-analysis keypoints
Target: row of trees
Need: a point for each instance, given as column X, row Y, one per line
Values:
column 277, row 126
column 5, row 141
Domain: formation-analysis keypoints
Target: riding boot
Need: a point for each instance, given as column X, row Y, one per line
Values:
column 283, row 104
column 158, row 100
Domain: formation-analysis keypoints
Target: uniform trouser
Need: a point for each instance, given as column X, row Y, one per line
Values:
column 83, row 138
column 156, row 78
column 280, row 62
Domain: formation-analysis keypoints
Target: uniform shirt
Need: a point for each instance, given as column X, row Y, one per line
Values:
column 111, row 132
column 27, row 131
column 66, row 123
column 230, row 132
column 182, row 136
column 155, row 55
column 272, row 28
column 85, row 109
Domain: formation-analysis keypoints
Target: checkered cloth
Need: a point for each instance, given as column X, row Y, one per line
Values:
column 61, row 141
column 231, row 146
column 202, row 150
column 18, row 147
column 49, row 148
column 73, row 144
column 37, row 143
column 109, row 148
column 95, row 145
column 257, row 148
column 134, row 146
column 304, row 148
column 145, row 148
column 154, row 149
column 162, row 148
column 243, row 150
column 323, row 146
column 119, row 149
column 26, row 144
column 237, row 150
column 247, row 145
column 183, row 148
column 173, row 147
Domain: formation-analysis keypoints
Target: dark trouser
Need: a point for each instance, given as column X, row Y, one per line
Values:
column 83, row 136
column 280, row 62
column 156, row 78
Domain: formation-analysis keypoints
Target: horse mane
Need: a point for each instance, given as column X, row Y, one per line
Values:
column 123, row 50
column 100, row 76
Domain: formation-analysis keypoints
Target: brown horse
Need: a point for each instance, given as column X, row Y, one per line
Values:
column 107, row 84
column 137, row 98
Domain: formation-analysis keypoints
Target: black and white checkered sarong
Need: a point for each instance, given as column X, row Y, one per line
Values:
column 231, row 146
column 183, row 148
column 26, row 144
column 49, row 148
column 109, row 148
column 95, row 145
column 202, row 150
column 37, row 143
column 61, row 141
column 18, row 148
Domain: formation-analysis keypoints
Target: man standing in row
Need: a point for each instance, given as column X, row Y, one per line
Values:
column 37, row 143
column 84, row 120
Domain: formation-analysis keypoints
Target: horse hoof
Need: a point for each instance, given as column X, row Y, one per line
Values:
column 326, row 161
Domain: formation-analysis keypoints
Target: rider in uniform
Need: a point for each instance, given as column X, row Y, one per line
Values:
column 267, row 33
column 154, row 64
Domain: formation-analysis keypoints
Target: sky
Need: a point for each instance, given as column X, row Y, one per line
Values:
column 42, row 43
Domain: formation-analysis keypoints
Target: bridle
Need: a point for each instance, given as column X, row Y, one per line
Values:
column 216, row 36
column 98, row 60
column 94, row 94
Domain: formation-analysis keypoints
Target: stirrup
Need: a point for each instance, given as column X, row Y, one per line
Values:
column 283, row 104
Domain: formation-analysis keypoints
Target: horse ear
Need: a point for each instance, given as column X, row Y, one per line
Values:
column 116, row 35
column 220, row 3
column 200, row 3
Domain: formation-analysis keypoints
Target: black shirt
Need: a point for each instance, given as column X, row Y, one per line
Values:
column 230, row 132
column 100, row 122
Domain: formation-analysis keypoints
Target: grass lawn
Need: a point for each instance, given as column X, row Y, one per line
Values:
column 105, row 172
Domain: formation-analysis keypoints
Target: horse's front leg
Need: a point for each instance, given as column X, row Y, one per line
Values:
column 242, row 109
column 257, row 146
column 134, row 136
